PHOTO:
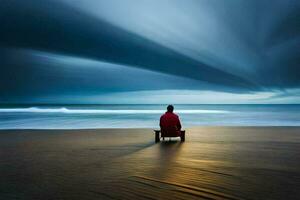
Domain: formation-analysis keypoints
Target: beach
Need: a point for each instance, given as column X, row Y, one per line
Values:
column 213, row 163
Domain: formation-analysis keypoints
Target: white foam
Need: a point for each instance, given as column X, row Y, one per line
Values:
column 102, row 111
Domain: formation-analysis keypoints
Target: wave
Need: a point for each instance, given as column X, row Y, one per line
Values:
column 99, row 111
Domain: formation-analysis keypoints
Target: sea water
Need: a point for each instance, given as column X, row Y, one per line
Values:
column 144, row 116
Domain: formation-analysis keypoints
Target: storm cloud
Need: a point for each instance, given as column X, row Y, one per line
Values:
column 87, row 48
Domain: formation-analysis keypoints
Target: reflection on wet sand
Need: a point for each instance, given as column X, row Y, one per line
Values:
column 167, row 170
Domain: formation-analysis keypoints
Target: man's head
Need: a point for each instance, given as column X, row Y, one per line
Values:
column 170, row 108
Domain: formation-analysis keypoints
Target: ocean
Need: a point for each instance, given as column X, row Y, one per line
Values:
column 144, row 116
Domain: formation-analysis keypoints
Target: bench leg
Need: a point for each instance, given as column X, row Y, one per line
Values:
column 156, row 136
column 182, row 136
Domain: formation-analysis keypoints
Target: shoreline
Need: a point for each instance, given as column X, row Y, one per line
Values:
column 147, row 128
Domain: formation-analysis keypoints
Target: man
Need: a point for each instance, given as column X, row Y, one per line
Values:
column 169, row 122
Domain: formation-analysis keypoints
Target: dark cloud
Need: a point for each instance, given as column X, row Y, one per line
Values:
column 38, row 73
column 259, row 50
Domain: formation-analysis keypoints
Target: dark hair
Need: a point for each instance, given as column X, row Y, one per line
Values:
column 170, row 108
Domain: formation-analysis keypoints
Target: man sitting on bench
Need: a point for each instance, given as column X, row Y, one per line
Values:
column 170, row 124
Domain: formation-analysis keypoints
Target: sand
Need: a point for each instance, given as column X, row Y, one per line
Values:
column 213, row 163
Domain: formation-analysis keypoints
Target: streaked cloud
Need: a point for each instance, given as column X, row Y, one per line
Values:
column 97, row 50
column 194, row 97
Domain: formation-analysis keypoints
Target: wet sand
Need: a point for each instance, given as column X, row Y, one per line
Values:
column 213, row 163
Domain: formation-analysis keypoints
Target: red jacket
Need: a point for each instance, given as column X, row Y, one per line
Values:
column 170, row 121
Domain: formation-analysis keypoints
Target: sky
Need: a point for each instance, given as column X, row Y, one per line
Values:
column 150, row 51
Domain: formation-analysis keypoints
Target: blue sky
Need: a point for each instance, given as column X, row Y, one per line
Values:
column 145, row 51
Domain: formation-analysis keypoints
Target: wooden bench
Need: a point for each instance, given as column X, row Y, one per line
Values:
column 158, row 135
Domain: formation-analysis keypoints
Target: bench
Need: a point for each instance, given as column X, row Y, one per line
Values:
column 158, row 135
